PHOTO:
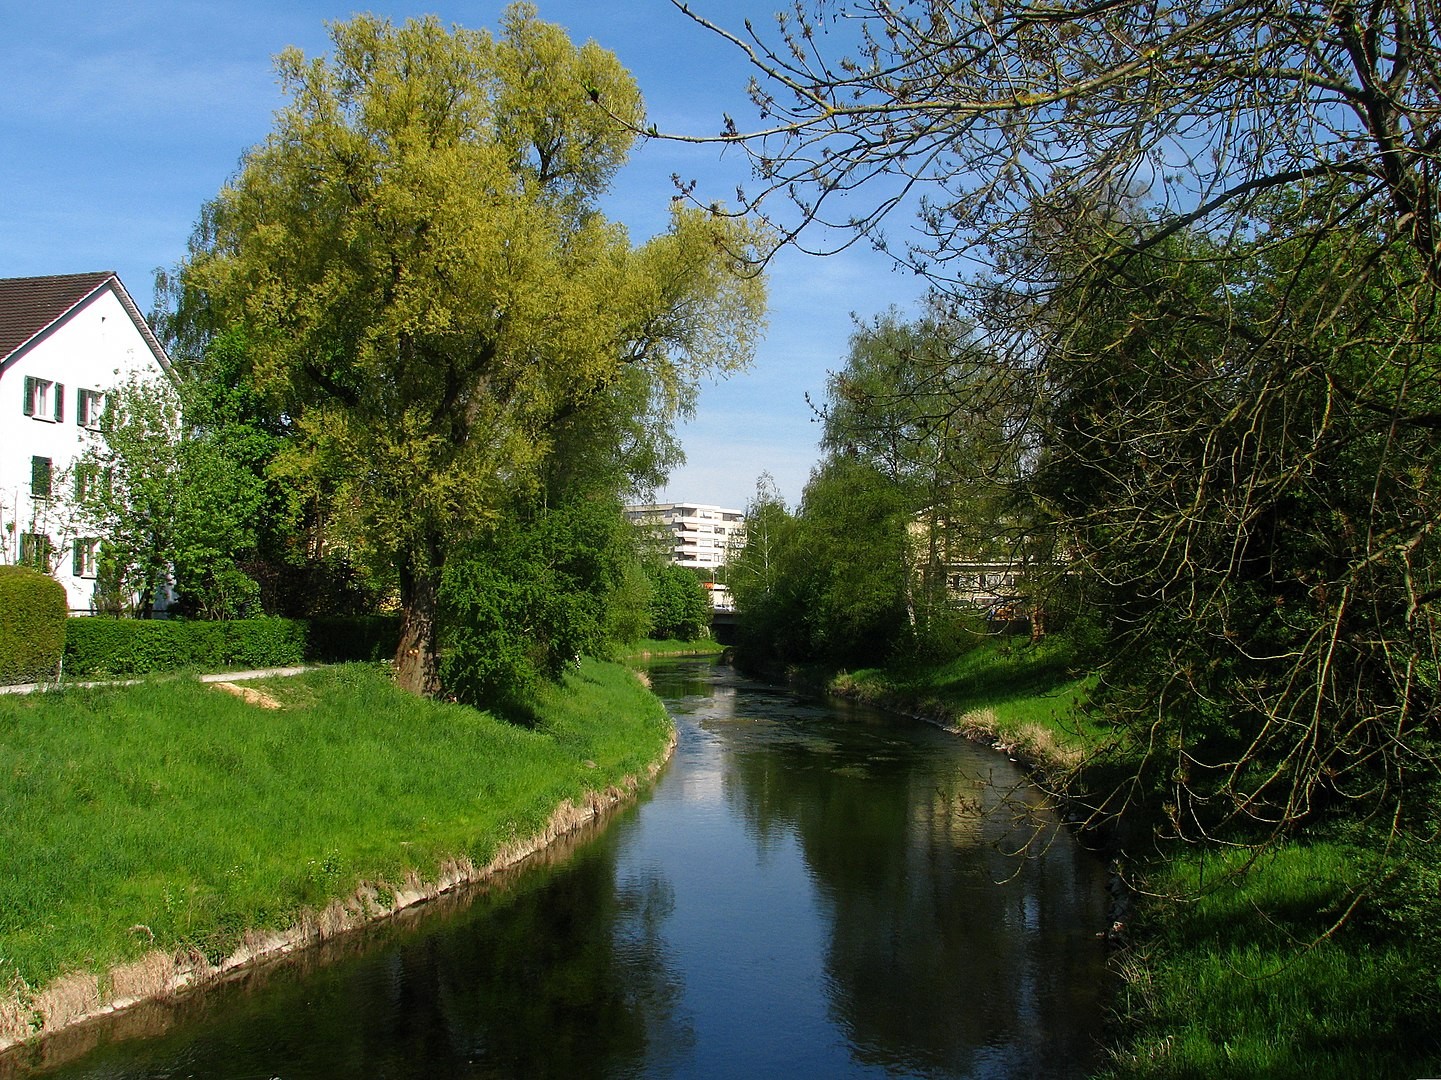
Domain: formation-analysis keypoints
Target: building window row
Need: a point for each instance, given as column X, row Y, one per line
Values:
column 37, row 551
column 45, row 400
column 89, row 478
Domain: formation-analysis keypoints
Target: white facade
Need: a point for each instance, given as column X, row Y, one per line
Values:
column 697, row 534
column 64, row 343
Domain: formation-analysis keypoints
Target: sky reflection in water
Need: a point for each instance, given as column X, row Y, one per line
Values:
column 811, row 890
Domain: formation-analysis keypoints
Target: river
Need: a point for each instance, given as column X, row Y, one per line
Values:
column 811, row 890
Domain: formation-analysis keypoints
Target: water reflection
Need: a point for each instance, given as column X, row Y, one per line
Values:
column 810, row 891
column 946, row 953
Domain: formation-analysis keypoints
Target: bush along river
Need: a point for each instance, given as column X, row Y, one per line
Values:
column 812, row 889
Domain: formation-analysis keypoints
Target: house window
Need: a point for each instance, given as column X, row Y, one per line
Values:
column 35, row 551
column 86, row 557
column 89, row 405
column 42, row 473
column 44, row 400
column 91, row 482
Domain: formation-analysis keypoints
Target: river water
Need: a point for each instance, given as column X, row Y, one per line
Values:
column 811, row 890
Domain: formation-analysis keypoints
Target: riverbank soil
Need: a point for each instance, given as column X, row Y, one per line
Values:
column 159, row 834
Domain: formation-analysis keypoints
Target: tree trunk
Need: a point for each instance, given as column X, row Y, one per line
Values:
column 417, row 660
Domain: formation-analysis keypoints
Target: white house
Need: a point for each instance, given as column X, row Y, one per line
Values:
column 65, row 341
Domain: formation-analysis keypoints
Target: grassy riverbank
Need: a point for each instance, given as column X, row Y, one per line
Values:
column 672, row 647
column 1225, row 974
column 1029, row 698
column 1257, row 976
column 173, row 816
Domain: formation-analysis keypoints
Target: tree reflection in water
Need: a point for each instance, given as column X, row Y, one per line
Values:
column 810, row 890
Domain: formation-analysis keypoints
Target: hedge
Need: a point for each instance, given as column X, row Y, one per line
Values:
column 99, row 647
column 32, row 625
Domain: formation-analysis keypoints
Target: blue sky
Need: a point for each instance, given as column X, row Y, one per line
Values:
column 120, row 119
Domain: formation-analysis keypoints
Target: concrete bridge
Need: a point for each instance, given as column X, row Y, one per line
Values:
column 723, row 625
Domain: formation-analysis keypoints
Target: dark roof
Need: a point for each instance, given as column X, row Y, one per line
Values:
column 29, row 306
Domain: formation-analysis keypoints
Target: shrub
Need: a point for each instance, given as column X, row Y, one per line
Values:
column 524, row 602
column 221, row 591
column 330, row 586
column 33, row 614
column 101, row 647
column 679, row 607
column 139, row 646
column 107, row 647
column 628, row 612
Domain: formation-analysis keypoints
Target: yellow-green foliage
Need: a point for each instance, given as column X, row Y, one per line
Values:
column 419, row 262
column 32, row 625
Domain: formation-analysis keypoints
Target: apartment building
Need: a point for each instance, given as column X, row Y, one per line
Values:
column 695, row 534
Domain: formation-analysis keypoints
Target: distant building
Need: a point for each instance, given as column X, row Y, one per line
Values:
column 720, row 595
column 694, row 534
column 65, row 342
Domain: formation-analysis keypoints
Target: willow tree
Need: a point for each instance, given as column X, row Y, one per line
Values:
column 417, row 259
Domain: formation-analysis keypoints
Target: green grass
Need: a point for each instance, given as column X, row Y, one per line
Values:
column 1229, row 974
column 1249, row 981
column 1025, row 695
column 176, row 808
column 672, row 647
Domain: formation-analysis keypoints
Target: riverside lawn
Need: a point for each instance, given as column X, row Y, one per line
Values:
column 648, row 647
column 1023, row 697
column 1224, row 973
column 170, row 815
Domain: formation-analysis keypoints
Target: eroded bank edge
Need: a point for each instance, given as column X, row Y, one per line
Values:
column 78, row 997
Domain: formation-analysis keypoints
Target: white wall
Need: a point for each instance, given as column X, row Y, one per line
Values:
column 97, row 347
column 700, row 535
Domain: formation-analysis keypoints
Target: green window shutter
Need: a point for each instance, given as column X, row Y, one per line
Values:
column 40, row 477
column 77, row 559
column 82, row 406
column 35, row 551
column 29, row 395
column 59, row 402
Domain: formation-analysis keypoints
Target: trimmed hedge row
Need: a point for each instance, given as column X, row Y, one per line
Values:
column 32, row 625
column 98, row 647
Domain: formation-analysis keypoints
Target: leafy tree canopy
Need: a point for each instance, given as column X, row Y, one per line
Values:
column 424, row 280
column 1198, row 240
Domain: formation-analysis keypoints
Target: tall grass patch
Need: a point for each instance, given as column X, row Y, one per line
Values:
column 173, row 815
column 1025, row 694
column 1252, row 976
